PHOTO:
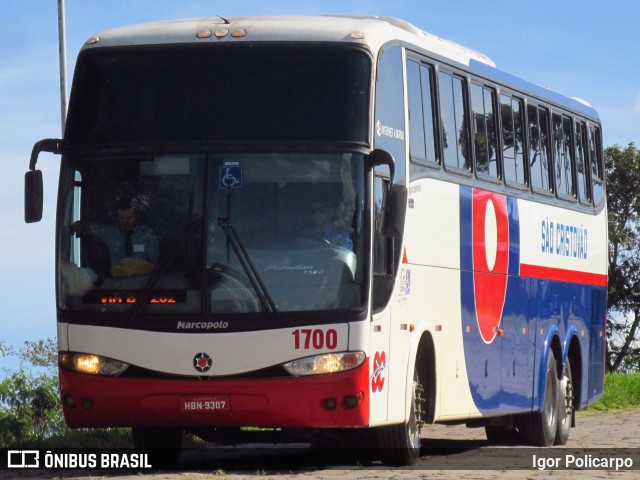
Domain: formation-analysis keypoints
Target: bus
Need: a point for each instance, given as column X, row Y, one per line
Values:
column 359, row 229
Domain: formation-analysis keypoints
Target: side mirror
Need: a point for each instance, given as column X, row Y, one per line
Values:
column 394, row 211
column 33, row 185
column 395, row 197
column 33, row 196
column 382, row 157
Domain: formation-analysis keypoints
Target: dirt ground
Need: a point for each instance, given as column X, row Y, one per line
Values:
column 446, row 452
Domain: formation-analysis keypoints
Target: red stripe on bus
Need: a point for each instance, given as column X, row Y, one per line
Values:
column 573, row 276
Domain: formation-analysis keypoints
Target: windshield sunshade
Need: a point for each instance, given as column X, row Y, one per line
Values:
column 219, row 93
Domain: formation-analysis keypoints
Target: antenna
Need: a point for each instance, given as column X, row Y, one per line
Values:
column 62, row 50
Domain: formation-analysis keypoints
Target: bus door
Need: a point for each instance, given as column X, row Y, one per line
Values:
column 389, row 135
column 382, row 253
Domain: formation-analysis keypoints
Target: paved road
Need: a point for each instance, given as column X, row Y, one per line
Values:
column 447, row 452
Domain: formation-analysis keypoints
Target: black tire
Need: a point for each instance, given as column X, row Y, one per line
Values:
column 540, row 428
column 401, row 443
column 161, row 444
column 565, row 406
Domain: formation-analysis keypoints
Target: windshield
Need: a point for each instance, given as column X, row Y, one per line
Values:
column 212, row 234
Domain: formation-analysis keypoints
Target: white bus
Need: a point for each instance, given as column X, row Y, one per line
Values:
column 343, row 227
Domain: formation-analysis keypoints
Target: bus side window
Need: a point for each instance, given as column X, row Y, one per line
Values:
column 512, row 139
column 422, row 146
column 382, row 248
column 539, row 154
column 382, row 256
column 584, row 192
column 597, row 169
column 453, row 122
column 563, row 156
column 484, row 130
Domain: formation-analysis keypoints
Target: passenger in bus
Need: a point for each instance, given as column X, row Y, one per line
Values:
column 133, row 247
column 326, row 226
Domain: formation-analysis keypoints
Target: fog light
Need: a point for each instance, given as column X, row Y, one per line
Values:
column 350, row 401
column 87, row 403
column 68, row 401
column 330, row 403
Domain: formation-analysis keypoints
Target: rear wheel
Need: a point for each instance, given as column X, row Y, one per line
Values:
column 161, row 444
column 565, row 406
column 401, row 443
column 540, row 427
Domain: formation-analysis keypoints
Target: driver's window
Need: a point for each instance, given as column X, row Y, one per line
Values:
column 77, row 201
column 382, row 246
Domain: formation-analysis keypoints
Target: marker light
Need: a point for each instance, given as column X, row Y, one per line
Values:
column 325, row 363
column 204, row 33
column 357, row 35
column 238, row 32
column 221, row 32
column 91, row 364
column 93, row 40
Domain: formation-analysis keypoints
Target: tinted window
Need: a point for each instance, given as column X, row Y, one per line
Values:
column 484, row 131
column 453, row 122
column 512, row 139
column 597, row 172
column 390, row 114
column 219, row 93
column 419, row 85
column 563, row 156
column 539, row 153
column 581, row 163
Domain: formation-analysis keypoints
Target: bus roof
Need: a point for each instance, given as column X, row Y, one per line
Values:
column 371, row 31
column 375, row 31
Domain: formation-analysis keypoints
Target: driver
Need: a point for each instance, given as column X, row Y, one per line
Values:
column 133, row 247
column 325, row 226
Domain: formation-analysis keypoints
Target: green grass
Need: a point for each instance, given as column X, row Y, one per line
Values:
column 621, row 390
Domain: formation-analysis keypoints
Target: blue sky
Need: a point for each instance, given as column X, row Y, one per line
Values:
column 586, row 48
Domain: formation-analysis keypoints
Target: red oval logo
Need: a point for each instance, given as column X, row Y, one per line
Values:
column 490, row 259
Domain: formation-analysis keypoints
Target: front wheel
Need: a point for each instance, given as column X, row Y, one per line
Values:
column 401, row 443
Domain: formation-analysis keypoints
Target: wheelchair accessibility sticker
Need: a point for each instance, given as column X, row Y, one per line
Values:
column 231, row 175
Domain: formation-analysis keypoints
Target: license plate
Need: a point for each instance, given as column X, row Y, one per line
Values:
column 217, row 403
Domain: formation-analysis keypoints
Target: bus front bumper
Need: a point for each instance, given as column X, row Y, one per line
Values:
column 337, row 400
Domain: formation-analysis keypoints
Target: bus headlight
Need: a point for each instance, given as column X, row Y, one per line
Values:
column 325, row 363
column 92, row 364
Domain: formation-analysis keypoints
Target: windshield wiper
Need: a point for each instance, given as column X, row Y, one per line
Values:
column 190, row 229
column 247, row 264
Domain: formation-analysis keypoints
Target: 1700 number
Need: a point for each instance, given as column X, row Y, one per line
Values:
column 306, row 338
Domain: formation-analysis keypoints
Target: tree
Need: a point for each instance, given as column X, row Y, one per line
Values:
column 29, row 409
column 623, row 199
column 43, row 353
column 30, row 404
